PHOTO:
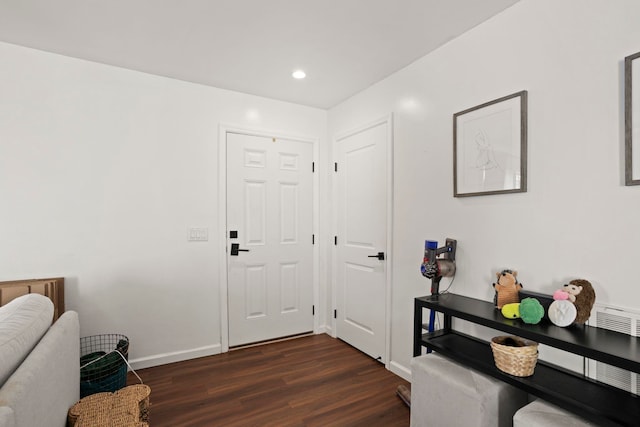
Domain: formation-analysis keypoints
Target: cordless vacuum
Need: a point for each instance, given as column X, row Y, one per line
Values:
column 436, row 264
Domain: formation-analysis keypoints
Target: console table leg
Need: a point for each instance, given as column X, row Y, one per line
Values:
column 417, row 329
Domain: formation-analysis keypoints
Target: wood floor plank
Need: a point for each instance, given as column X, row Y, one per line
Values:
column 310, row 381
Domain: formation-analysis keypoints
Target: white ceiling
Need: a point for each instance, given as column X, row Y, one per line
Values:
column 249, row 46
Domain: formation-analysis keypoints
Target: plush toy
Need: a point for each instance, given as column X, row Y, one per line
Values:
column 572, row 290
column 531, row 311
column 560, row 295
column 584, row 298
column 511, row 310
column 562, row 312
column 507, row 288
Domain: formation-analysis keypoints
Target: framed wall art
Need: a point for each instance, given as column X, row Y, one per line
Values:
column 490, row 147
column 632, row 119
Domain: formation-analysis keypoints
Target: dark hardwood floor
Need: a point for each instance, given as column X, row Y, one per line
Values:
column 310, row 381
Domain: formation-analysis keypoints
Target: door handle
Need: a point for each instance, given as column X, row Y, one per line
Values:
column 235, row 248
column 380, row 256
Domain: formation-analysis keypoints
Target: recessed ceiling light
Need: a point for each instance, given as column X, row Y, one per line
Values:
column 299, row 74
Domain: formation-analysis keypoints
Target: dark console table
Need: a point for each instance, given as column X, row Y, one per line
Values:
column 577, row 393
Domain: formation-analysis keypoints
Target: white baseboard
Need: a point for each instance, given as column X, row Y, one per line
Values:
column 179, row 356
column 329, row 331
column 400, row 370
column 321, row 330
column 176, row 356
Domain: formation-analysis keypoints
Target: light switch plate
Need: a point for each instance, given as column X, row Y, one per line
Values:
column 198, row 234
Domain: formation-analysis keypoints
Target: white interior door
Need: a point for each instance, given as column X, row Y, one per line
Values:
column 269, row 218
column 361, row 207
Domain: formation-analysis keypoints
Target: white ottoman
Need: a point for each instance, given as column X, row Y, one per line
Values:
column 445, row 393
column 540, row 413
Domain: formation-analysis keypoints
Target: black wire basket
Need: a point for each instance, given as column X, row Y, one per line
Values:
column 103, row 363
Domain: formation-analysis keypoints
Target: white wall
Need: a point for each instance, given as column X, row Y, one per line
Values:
column 577, row 219
column 102, row 170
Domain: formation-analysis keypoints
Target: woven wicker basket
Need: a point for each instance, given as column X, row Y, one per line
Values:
column 514, row 355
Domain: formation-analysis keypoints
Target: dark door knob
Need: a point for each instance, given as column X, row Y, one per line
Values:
column 380, row 256
column 235, row 248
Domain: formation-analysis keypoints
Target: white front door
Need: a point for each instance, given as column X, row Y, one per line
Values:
column 269, row 238
column 361, row 261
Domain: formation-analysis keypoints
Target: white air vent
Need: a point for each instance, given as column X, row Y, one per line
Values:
column 623, row 321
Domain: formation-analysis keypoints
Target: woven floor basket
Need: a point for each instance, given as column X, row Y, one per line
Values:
column 514, row 355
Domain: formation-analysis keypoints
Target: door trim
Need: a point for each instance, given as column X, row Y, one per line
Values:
column 222, row 219
column 388, row 120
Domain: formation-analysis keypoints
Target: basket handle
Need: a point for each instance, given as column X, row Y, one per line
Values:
column 121, row 356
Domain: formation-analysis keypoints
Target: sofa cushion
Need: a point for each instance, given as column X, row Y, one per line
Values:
column 6, row 417
column 23, row 321
column 47, row 383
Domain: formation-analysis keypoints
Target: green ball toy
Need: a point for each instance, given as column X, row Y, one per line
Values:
column 531, row 311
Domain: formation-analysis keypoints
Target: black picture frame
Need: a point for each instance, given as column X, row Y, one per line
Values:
column 490, row 147
column 632, row 120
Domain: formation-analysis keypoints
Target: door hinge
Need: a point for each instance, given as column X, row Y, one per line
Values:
column 313, row 166
column 335, row 314
column 313, row 310
column 335, row 240
column 335, row 166
column 313, row 239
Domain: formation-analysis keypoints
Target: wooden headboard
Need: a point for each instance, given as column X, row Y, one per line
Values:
column 52, row 288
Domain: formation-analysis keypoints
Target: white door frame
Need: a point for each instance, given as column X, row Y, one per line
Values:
column 222, row 220
column 388, row 120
